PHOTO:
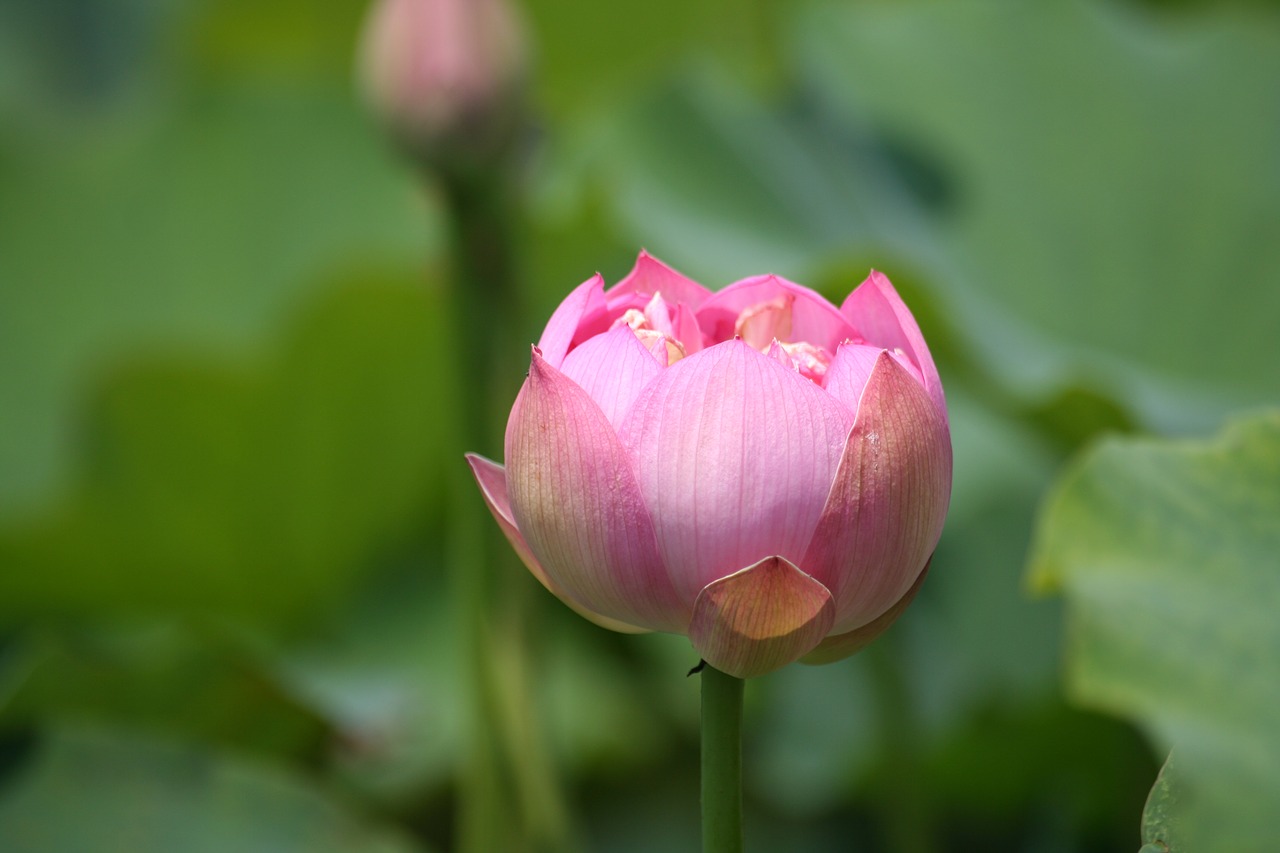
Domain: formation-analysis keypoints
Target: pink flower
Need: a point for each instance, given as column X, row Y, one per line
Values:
column 754, row 468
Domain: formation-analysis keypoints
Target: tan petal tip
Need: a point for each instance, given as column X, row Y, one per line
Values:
column 761, row 618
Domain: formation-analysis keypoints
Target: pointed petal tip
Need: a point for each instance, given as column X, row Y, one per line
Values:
column 492, row 480
column 480, row 465
column 651, row 275
column 877, row 280
column 761, row 618
column 880, row 315
column 648, row 260
column 537, row 361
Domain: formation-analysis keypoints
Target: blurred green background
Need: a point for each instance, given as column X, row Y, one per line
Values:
column 227, row 619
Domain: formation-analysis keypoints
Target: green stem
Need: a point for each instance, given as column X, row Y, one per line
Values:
column 510, row 798
column 721, row 762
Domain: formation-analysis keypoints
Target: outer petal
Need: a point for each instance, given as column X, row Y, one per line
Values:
column 575, row 499
column 735, row 455
column 886, row 508
column 760, row 619
column 880, row 316
column 840, row 646
column 813, row 318
column 612, row 368
column 584, row 304
column 650, row 276
column 492, row 479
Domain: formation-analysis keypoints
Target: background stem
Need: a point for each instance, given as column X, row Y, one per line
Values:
column 510, row 799
column 721, row 762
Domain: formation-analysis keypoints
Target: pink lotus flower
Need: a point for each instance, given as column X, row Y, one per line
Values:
column 754, row 468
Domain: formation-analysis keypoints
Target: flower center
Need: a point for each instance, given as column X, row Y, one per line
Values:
column 766, row 326
column 653, row 327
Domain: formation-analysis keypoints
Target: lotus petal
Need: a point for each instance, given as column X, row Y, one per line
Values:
column 575, row 499
column 885, row 511
column 881, row 318
column 760, row 619
column 492, row 479
column 735, row 455
column 840, row 646
column 613, row 368
column 585, row 303
column 813, row 319
column 650, row 276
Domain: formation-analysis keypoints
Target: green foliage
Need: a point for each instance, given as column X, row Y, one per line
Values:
column 1166, row 553
column 201, row 227
column 245, row 492
column 135, row 793
column 1162, row 818
column 226, row 401
column 1116, row 173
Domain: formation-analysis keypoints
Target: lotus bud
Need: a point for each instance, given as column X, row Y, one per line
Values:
column 444, row 76
column 754, row 468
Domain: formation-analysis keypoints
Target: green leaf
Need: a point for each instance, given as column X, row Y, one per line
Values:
column 385, row 676
column 1166, row 553
column 257, row 490
column 724, row 186
column 1116, row 183
column 108, row 792
column 164, row 677
column 1161, row 819
column 590, row 56
column 191, row 230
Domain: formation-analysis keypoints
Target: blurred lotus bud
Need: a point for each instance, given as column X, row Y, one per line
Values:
column 444, row 76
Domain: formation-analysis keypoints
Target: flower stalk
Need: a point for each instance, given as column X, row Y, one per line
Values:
column 508, row 774
column 721, row 762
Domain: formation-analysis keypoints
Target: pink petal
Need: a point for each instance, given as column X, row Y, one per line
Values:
column 848, row 372
column 584, row 305
column 809, row 361
column 688, row 333
column 612, row 368
column 881, row 318
column 886, row 508
column 813, row 319
column 840, row 646
column 650, row 276
column 575, row 498
column 760, row 619
column 658, row 313
column 492, row 479
column 617, row 308
column 735, row 455
column 760, row 325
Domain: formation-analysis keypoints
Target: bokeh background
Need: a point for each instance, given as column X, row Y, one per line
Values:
column 230, row 608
